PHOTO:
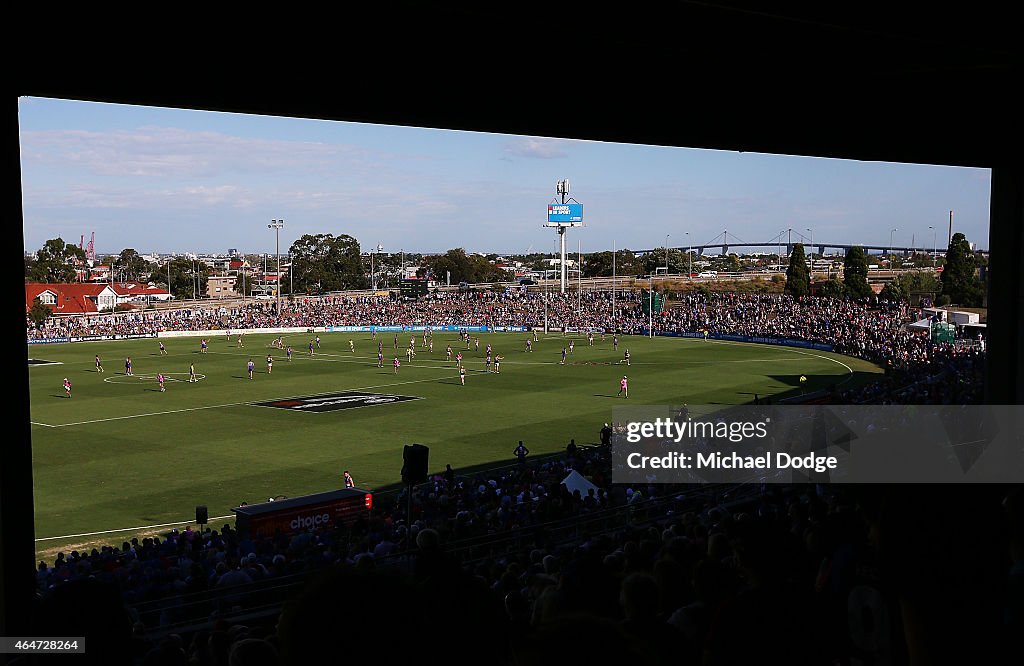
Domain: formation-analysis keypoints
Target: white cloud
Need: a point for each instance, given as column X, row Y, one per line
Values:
column 536, row 147
column 160, row 152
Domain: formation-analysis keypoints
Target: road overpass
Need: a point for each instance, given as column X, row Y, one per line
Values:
column 787, row 238
column 787, row 248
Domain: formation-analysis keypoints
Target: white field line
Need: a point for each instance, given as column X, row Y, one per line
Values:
column 849, row 370
column 130, row 529
column 234, row 404
column 126, row 529
column 420, row 381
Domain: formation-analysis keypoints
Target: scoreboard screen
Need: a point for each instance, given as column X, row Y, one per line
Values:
column 413, row 287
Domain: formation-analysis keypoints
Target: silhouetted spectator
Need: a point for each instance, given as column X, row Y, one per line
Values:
column 253, row 652
column 520, row 452
column 640, row 598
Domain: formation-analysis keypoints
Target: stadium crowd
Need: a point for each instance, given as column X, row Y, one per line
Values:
column 788, row 574
column 702, row 579
column 872, row 329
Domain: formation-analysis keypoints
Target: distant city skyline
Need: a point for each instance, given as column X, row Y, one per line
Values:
column 172, row 181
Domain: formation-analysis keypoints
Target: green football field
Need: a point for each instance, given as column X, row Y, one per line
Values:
column 121, row 455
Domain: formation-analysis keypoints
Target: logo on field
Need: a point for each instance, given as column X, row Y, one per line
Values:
column 42, row 361
column 334, row 401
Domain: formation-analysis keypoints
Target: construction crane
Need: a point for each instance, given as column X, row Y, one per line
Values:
column 90, row 250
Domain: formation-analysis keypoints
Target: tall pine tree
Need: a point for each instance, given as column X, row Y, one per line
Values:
column 958, row 274
column 798, row 278
column 855, row 273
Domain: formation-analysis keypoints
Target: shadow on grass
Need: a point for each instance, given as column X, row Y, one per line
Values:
column 813, row 385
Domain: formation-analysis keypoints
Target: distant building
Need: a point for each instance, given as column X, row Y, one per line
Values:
column 98, row 273
column 139, row 293
column 221, row 286
column 91, row 297
column 72, row 298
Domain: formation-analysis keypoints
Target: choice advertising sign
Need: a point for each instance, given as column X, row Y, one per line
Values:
column 298, row 514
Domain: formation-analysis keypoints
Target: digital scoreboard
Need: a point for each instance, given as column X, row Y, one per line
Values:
column 413, row 287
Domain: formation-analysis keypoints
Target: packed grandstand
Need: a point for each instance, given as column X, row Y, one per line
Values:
column 872, row 329
column 512, row 557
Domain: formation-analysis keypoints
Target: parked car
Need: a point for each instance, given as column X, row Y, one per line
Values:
column 707, row 274
column 527, row 281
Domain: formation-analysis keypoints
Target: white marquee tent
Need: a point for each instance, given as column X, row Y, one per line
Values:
column 576, row 481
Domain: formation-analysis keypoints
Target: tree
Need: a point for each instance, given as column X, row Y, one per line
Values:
column 131, row 266
column 55, row 262
column 655, row 260
column 599, row 264
column 188, row 278
column 39, row 312
column 243, row 282
column 832, row 288
column 324, row 262
column 907, row 284
column 959, row 281
column 798, row 279
column 855, row 273
column 463, row 268
column 892, row 292
column 535, row 260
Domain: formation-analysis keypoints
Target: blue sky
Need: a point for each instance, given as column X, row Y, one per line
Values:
column 179, row 180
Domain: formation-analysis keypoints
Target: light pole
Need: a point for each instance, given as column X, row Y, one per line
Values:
column 276, row 226
column 811, row 255
column 935, row 249
column 650, row 308
column 894, row 230
column 579, row 275
column 689, row 253
column 614, row 284
column 666, row 254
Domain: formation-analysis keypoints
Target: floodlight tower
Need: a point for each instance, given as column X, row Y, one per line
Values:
column 562, row 215
column 563, row 190
column 277, row 225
